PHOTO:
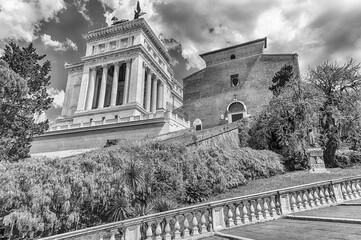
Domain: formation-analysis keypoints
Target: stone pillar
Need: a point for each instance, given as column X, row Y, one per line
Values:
column 89, row 100
column 83, row 89
column 126, row 82
column 148, row 93
column 160, row 96
column 113, row 97
column 154, row 95
column 136, row 82
column 103, row 87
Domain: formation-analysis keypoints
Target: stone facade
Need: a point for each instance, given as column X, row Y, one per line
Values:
column 234, row 84
column 125, row 78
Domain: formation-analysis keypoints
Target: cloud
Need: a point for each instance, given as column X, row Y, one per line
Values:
column 81, row 5
column 58, row 46
column 21, row 19
column 316, row 29
column 58, row 96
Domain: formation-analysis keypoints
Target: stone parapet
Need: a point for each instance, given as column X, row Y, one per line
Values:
column 202, row 220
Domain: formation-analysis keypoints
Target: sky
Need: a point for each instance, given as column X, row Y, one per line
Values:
column 318, row 30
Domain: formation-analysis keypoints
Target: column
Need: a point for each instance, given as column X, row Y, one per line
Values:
column 89, row 100
column 113, row 97
column 103, row 87
column 83, row 89
column 154, row 95
column 136, row 82
column 148, row 93
column 126, row 82
column 160, row 96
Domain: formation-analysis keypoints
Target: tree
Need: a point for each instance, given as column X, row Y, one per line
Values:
column 25, row 62
column 15, row 120
column 339, row 115
column 281, row 78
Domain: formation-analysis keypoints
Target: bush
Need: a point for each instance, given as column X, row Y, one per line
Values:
column 348, row 158
column 41, row 197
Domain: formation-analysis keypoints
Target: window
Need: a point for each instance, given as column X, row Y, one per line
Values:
column 197, row 124
column 236, row 110
column 233, row 56
column 234, row 80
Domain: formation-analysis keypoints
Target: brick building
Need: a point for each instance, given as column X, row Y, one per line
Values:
column 233, row 85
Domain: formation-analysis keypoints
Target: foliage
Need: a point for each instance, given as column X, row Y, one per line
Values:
column 282, row 125
column 20, row 128
column 281, row 78
column 340, row 110
column 14, row 118
column 41, row 197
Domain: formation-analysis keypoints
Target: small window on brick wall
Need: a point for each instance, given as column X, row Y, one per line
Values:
column 197, row 124
column 234, row 80
column 233, row 56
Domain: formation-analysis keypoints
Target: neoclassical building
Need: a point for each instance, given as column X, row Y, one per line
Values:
column 122, row 88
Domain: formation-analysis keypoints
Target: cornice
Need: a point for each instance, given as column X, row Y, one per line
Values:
column 74, row 67
column 126, row 27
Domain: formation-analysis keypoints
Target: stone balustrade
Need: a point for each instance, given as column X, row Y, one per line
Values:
column 168, row 115
column 202, row 220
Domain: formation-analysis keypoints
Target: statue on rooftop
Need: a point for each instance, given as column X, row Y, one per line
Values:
column 138, row 12
column 117, row 21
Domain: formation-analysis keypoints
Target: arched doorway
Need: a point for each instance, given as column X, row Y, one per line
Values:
column 236, row 110
column 197, row 124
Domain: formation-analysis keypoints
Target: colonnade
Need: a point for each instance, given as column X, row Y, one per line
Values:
column 153, row 98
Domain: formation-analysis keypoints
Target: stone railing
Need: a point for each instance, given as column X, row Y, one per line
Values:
column 205, row 219
column 159, row 114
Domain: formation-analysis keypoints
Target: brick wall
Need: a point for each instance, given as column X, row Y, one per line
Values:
column 208, row 92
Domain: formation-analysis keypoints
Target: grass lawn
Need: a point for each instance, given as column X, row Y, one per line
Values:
column 286, row 180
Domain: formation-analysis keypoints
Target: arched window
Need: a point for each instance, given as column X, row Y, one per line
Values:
column 233, row 56
column 197, row 124
column 236, row 110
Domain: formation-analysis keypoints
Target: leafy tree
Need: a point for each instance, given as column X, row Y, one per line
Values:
column 339, row 115
column 282, row 125
column 26, row 63
column 15, row 120
column 281, row 78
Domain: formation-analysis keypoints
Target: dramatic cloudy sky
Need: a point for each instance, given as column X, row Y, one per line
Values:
column 318, row 30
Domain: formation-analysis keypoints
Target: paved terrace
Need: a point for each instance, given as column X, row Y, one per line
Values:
column 322, row 210
column 338, row 222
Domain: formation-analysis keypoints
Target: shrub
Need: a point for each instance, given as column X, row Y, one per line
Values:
column 41, row 197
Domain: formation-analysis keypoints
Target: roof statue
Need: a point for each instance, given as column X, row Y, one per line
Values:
column 117, row 21
column 138, row 12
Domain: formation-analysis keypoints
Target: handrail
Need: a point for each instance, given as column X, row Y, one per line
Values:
column 205, row 218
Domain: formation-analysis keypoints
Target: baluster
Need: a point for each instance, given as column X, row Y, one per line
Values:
column 349, row 191
column 353, row 188
column 113, row 232
column 293, row 203
column 327, row 195
column 210, row 221
column 310, row 197
column 305, row 200
column 253, row 215
column 267, row 214
column 278, row 206
column 195, row 225
column 322, row 196
column 230, row 217
column 203, row 221
column 149, row 233
column 358, row 187
column 245, row 218
column 259, row 211
column 238, row 216
column 101, row 235
column 167, row 235
column 344, row 193
column 317, row 198
column 273, row 208
column 186, row 225
column 299, row 201
column 177, row 234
